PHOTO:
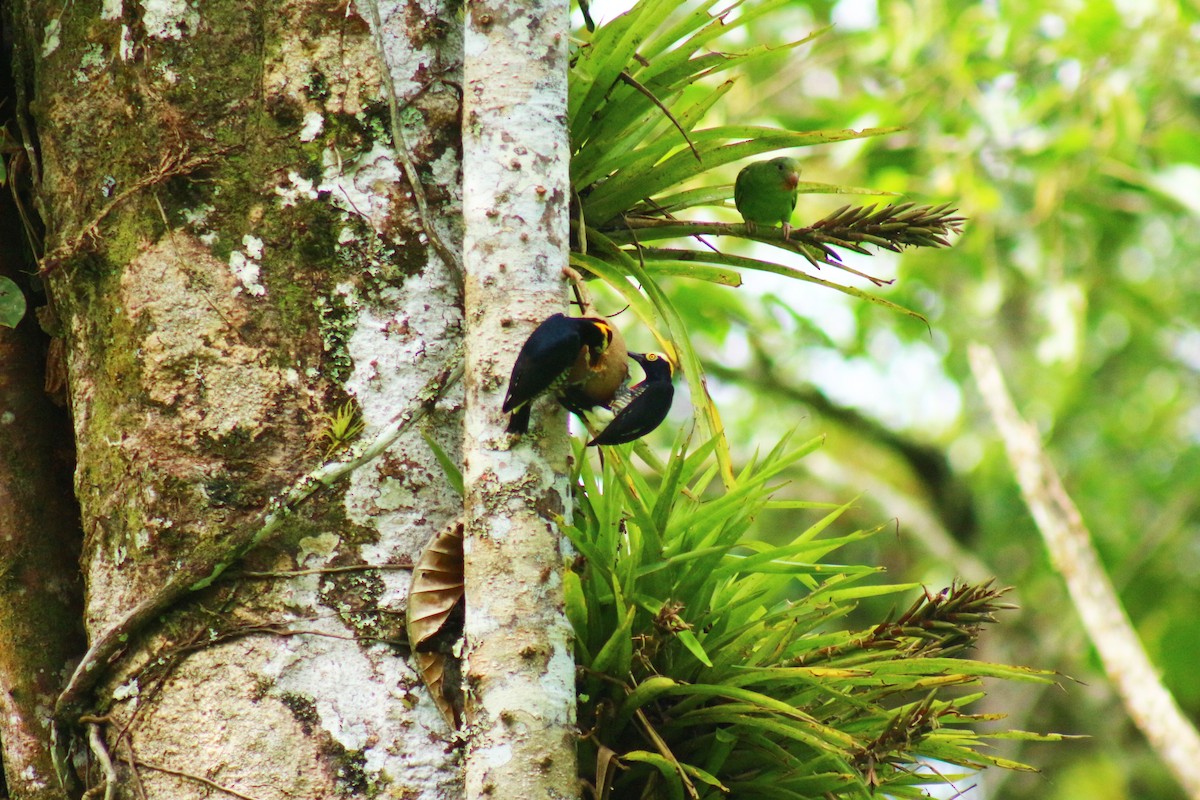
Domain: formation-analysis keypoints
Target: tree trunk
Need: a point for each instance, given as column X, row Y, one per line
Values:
column 40, row 592
column 234, row 248
column 519, row 663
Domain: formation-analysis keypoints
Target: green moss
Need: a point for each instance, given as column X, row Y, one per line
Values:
column 262, row 687
column 350, row 773
column 376, row 121
column 354, row 597
column 222, row 491
column 237, row 445
column 337, row 320
column 316, row 86
column 303, row 709
column 373, row 260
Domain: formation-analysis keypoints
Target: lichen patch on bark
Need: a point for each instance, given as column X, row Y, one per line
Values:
column 252, row 742
column 196, row 360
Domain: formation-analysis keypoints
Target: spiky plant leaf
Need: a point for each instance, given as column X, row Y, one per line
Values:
column 666, row 578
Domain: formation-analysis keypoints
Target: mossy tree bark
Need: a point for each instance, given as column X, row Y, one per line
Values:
column 233, row 250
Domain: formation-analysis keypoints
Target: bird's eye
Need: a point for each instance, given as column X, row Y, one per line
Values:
column 651, row 357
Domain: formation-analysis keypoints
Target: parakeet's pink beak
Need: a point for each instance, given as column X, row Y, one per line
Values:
column 791, row 180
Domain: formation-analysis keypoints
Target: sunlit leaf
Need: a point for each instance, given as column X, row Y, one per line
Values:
column 12, row 303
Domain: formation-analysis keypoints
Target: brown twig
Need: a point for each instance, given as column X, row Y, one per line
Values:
column 187, row 776
column 173, row 164
column 124, row 741
column 100, row 751
column 291, row 573
column 582, row 296
column 629, row 80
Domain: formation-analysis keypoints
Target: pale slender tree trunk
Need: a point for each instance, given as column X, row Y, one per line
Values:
column 234, row 247
column 519, row 665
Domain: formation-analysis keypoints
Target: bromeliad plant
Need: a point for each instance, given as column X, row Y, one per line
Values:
column 714, row 665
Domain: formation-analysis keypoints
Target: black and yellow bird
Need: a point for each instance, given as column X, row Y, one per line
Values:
column 583, row 355
column 642, row 407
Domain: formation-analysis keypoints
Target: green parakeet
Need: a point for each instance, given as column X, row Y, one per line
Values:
column 765, row 192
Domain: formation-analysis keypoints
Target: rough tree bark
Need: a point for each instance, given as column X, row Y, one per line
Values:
column 234, row 247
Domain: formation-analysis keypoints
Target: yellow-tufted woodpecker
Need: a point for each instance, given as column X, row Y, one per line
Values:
column 640, row 408
column 583, row 355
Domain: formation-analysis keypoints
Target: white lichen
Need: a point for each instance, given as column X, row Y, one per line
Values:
column 297, row 188
column 126, row 690
column 246, row 267
column 197, row 217
column 322, row 546
column 169, row 19
column 51, row 36
column 254, row 246
column 91, row 61
column 367, row 720
column 314, row 123
column 126, row 47
column 357, row 185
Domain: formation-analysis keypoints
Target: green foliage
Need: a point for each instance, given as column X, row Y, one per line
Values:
column 450, row 468
column 713, row 664
column 639, row 90
column 1067, row 133
column 12, row 303
column 342, row 427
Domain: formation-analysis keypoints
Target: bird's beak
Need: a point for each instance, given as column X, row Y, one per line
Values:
column 792, row 180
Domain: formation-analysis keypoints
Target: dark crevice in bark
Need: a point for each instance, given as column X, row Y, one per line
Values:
column 40, row 539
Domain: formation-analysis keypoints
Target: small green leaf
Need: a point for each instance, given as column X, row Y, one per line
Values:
column 453, row 473
column 617, row 652
column 646, row 691
column 700, row 272
column 703, row 776
column 576, row 603
column 694, row 647
column 12, row 303
column 667, row 768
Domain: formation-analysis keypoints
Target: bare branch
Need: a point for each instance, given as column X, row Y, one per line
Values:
column 1149, row 703
column 189, row 776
